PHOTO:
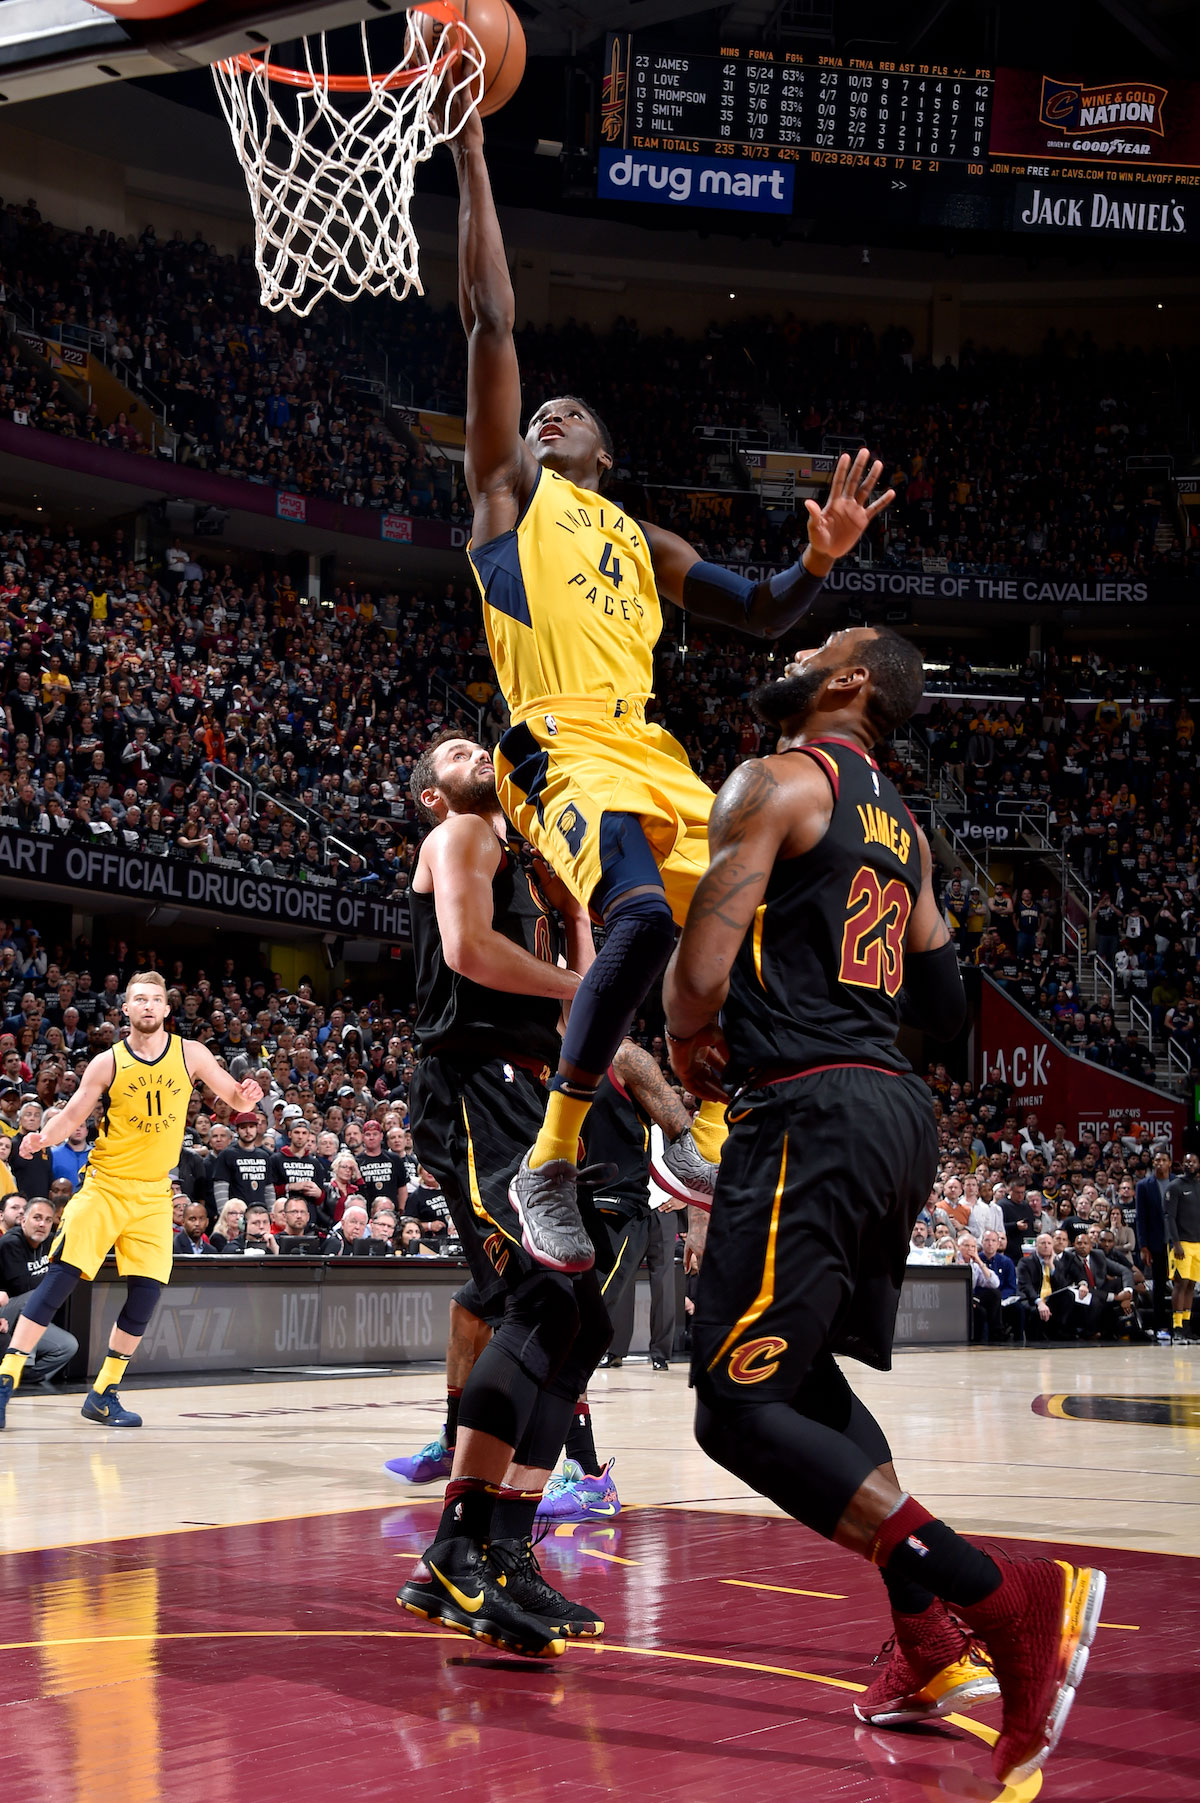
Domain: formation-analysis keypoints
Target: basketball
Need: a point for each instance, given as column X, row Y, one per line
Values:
column 501, row 39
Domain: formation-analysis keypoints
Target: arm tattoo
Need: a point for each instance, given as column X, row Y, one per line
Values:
column 938, row 935
column 748, row 791
column 642, row 1077
column 718, row 891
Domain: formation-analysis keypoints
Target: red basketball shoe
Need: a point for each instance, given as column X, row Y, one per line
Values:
column 1038, row 1627
column 934, row 1669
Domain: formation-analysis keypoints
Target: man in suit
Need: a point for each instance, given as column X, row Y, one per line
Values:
column 191, row 1241
column 1103, row 1297
column 1047, row 1301
column 992, row 1254
column 1151, row 1235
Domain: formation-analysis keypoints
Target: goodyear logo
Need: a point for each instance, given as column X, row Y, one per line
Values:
column 1068, row 106
column 757, row 1359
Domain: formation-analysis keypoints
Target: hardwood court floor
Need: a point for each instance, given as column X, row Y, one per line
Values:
column 201, row 1612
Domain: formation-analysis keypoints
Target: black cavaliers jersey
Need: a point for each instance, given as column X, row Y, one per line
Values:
column 617, row 1133
column 457, row 1016
column 818, row 976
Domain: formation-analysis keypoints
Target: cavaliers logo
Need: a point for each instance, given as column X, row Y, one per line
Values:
column 496, row 1250
column 756, row 1359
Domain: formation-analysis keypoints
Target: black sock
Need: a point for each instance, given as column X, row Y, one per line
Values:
column 934, row 1557
column 512, row 1517
column 468, row 1509
column 906, row 1597
column 450, row 1431
column 580, row 1445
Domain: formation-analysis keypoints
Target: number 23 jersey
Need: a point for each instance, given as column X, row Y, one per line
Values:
column 818, row 976
column 570, row 604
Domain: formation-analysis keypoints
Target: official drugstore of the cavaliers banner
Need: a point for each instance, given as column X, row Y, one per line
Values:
column 1042, row 1075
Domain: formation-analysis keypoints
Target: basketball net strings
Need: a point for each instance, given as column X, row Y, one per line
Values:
column 331, row 194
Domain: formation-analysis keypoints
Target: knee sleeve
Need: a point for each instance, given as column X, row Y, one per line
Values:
column 826, row 1397
column 591, row 1341
column 808, row 1468
column 51, row 1293
column 141, row 1300
column 498, row 1397
column 639, row 938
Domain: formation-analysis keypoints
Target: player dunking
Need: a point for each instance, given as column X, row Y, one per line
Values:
column 124, row 1202
column 816, row 913
column 571, row 588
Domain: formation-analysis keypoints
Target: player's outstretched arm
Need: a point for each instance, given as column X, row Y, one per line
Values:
column 770, row 608
column 461, row 857
column 933, row 997
column 500, row 470
column 95, row 1080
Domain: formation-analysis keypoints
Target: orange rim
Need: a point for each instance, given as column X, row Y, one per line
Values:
column 248, row 64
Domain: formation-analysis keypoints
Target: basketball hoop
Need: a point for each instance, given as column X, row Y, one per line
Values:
column 331, row 181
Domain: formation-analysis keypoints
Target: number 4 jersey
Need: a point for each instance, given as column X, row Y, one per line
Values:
column 818, row 977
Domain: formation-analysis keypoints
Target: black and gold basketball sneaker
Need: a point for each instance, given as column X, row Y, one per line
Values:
column 515, row 1564
column 453, row 1583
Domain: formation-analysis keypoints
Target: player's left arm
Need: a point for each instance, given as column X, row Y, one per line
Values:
column 933, row 997
column 748, row 824
column 202, row 1067
column 769, row 608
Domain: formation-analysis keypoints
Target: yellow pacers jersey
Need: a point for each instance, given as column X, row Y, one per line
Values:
column 570, row 604
column 145, row 1113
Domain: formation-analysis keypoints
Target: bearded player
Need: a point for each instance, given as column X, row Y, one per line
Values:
column 572, row 587
column 142, row 1087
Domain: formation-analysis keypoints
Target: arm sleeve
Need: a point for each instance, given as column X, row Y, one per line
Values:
column 765, row 609
column 934, row 998
column 1172, row 1222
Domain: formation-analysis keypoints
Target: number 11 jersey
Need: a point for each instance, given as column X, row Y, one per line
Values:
column 144, row 1116
column 818, row 976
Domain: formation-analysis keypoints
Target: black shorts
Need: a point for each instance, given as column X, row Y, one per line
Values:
column 821, row 1180
column 620, row 1234
column 472, row 1124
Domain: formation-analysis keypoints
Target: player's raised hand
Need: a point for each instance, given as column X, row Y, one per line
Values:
column 849, row 509
column 699, row 1061
column 31, row 1145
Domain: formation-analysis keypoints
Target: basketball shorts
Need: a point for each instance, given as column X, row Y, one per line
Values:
column 128, row 1218
column 821, row 1180
column 471, row 1126
column 559, row 776
column 621, row 1236
column 1187, row 1268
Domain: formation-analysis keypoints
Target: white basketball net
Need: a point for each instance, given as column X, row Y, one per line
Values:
column 330, row 172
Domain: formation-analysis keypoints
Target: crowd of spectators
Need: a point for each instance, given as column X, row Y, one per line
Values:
column 1007, row 464
column 1112, row 781
column 139, row 702
column 1050, row 1226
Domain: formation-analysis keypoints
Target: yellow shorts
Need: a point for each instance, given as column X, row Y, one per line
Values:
column 131, row 1219
column 559, row 774
column 1187, row 1268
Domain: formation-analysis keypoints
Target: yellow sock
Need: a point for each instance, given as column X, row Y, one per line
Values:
column 559, row 1137
column 111, row 1372
column 709, row 1131
column 1179, row 1321
column 13, row 1365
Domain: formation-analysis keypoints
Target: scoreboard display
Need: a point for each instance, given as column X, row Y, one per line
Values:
column 774, row 130
column 788, row 105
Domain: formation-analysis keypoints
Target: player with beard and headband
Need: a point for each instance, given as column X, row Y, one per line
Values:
column 812, row 934
column 572, row 587
column 489, row 923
